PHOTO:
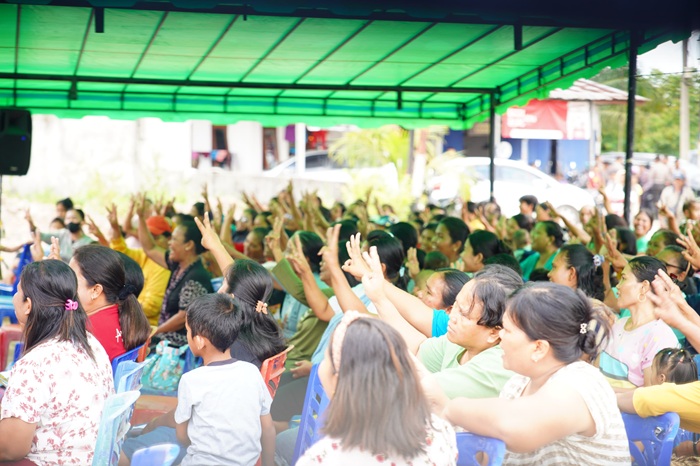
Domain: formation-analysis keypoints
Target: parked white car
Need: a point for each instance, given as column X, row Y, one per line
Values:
column 513, row 180
column 322, row 171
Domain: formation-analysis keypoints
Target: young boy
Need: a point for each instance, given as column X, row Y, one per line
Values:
column 223, row 407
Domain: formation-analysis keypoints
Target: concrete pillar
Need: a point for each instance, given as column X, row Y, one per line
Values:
column 245, row 141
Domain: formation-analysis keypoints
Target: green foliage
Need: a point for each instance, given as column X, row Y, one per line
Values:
column 378, row 147
column 657, row 122
column 373, row 148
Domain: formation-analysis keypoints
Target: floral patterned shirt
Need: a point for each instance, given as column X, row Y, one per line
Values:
column 441, row 450
column 60, row 389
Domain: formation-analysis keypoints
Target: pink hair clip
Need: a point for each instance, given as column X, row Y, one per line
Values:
column 71, row 305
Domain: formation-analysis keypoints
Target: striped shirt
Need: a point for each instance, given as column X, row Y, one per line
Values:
column 609, row 444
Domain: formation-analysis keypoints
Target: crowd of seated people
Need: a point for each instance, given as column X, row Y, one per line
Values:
column 538, row 329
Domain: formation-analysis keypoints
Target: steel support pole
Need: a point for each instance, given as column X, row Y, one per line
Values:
column 631, row 94
column 492, row 145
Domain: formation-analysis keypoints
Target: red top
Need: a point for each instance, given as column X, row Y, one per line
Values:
column 104, row 325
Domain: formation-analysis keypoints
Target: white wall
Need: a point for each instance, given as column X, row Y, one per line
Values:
column 245, row 142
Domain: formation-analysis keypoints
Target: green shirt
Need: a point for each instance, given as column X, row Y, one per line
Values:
column 483, row 376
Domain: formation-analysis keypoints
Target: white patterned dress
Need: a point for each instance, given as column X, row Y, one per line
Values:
column 60, row 389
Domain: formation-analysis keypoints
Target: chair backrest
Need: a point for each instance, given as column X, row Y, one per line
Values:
column 8, row 334
column 128, row 376
column 113, row 427
column 471, row 447
column 25, row 257
column 315, row 404
column 191, row 362
column 656, row 433
column 272, row 369
column 18, row 352
column 128, row 356
column 163, row 455
column 216, row 283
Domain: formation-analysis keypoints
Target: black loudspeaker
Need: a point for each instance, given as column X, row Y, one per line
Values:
column 15, row 141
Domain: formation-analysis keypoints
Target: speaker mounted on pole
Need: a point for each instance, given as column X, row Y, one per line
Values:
column 15, row 141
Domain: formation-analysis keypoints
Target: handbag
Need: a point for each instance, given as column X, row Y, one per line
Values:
column 164, row 367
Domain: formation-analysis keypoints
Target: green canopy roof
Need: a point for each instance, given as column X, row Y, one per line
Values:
column 277, row 69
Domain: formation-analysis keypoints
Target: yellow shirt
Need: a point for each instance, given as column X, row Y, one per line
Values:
column 659, row 399
column 155, row 280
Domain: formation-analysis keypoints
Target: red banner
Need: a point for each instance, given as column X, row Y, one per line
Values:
column 539, row 119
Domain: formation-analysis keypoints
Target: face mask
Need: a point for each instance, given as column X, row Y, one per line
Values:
column 73, row 227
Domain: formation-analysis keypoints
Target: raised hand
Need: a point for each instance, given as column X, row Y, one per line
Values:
column 95, row 230
column 373, row 279
column 668, row 300
column 140, row 205
column 611, row 254
column 36, row 249
column 412, row 262
column 274, row 238
column 112, row 216
column 356, row 265
column 552, row 211
column 297, row 259
column 691, row 253
column 55, row 250
column 330, row 251
column 210, row 239
column 664, row 211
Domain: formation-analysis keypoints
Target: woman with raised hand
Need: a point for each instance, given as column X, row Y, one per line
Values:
column 394, row 425
column 188, row 279
column 250, row 284
column 636, row 339
column 578, row 268
column 467, row 361
column 558, row 410
column 115, row 315
column 56, row 391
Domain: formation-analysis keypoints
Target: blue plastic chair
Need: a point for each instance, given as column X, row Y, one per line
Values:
column 657, row 434
column 315, row 403
column 470, row 445
column 114, row 425
column 216, row 283
column 162, row 455
column 128, row 376
column 128, row 356
column 7, row 309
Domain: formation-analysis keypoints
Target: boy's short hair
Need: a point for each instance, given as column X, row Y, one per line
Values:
column 529, row 199
column 214, row 316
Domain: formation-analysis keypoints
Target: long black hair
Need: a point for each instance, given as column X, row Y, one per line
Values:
column 391, row 254
column 49, row 284
column 487, row 244
column 457, row 229
column 453, row 280
column 561, row 316
column 250, row 282
column 102, row 265
column 589, row 269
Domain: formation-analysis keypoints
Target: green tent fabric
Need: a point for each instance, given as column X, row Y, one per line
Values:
column 180, row 65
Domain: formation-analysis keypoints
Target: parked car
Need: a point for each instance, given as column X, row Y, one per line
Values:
column 321, row 168
column 513, row 180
